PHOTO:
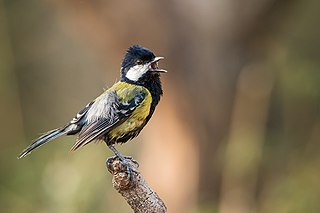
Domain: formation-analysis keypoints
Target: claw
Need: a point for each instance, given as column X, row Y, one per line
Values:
column 129, row 169
column 136, row 164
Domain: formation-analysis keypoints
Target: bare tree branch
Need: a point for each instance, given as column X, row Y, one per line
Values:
column 133, row 188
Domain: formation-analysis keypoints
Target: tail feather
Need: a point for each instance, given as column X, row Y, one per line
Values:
column 42, row 140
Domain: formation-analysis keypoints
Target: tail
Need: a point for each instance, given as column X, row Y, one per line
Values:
column 42, row 140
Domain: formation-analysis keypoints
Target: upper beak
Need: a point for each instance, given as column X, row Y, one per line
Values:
column 154, row 65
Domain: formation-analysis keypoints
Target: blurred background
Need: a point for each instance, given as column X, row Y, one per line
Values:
column 238, row 127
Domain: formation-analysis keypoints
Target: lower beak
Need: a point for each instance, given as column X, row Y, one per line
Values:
column 154, row 65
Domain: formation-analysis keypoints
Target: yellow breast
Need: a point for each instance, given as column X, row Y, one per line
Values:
column 139, row 115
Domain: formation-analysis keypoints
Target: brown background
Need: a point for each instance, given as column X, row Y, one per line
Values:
column 237, row 130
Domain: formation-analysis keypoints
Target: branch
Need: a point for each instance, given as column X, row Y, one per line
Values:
column 133, row 188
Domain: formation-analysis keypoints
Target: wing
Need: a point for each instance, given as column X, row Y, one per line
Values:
column 81, row 114
column 109, row 110
column 77, row 122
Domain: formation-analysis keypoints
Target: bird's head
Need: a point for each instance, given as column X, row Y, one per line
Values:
column 139, row 63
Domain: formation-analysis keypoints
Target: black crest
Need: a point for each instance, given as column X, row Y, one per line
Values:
column 136, row 53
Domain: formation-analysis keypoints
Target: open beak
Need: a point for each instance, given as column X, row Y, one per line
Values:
column 154, row 65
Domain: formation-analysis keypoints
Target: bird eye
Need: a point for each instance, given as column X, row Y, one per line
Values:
column 139, row 62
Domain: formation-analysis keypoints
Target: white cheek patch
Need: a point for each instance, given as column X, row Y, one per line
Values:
column 136, row 72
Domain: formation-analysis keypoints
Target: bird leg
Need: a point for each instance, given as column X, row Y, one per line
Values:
column 117, row 153
column 123, row 159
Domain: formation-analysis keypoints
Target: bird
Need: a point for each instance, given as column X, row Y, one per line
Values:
column 120, row 112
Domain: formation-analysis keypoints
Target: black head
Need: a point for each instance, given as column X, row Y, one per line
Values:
column 139, row 63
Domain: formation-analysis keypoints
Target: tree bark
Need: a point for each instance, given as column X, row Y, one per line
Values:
column 133, row 188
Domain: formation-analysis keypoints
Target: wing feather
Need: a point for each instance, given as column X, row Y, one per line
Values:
column 107, row 112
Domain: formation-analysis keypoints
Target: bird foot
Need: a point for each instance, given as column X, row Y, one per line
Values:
column 127, row 164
